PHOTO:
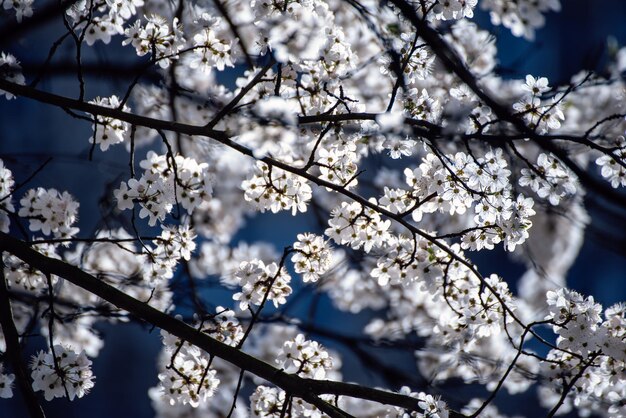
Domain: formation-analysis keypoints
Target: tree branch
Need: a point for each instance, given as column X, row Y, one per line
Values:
column 294, row 385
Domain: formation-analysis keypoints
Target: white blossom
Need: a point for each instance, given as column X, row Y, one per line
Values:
column 186, row 376
column 50, row 212
column 64, row 373
column 274, row 189
column 166, row 182
column 312, row 257
column 259, row 282
column 613, row 168
column 6, row 383
column 10, row 68
column 109, row 131
column 304, row 357
column 157, row 36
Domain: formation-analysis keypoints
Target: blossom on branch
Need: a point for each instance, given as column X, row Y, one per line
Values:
column 62, row 372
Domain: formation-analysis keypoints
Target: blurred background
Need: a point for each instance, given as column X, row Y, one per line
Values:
column 582, row 36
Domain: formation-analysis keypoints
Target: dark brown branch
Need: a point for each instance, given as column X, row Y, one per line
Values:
column 567, row 387
column 306, row 389
column 65, row 102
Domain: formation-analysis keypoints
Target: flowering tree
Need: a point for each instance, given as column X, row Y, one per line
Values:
column 458, row 160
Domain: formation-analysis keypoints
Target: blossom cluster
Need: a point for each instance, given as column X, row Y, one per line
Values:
column 358, row 226
column 109, row 131
column 267, row 402
column 102, row 21
column 174, row 243
column 292, row 352
column 549, row 179
column 337, row 164
column 612, row 168
column 576, row 320
column 275, row 189
column 455, row 183
column 62, row 372
column 419, row 104
column 304, row 357
column 224, row 327
column 50, row 212
column 186, row 377
column 166, row 182
column 539, row 114
column 210, row 51
column 156, row 37
column 407, row 261
column 312, row 256
column 189, row 376
column 260, row 282
column 454, row 9
column 591, row 353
